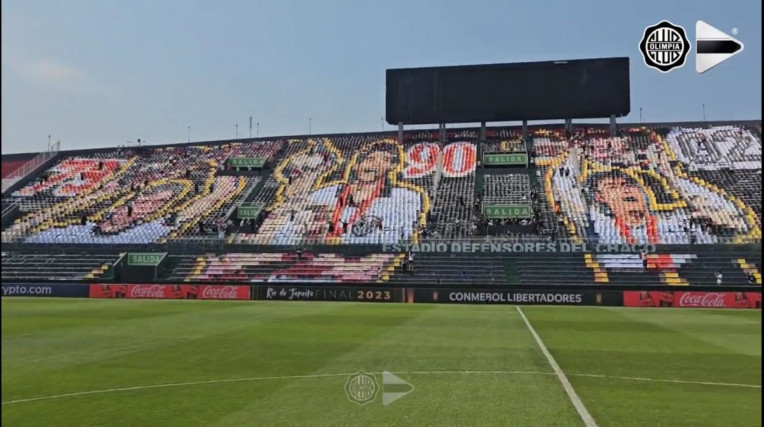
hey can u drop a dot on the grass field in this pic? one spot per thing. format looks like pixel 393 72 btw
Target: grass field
pixel 219 363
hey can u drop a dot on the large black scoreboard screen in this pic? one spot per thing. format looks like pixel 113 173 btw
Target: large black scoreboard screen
pixel 586 88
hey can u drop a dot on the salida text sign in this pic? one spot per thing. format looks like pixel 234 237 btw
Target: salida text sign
pixel 507 211
pixel 246 162
pixel 692 299
pixel 150 259
pixel 248 211
pixel 170 291
pixel 509 159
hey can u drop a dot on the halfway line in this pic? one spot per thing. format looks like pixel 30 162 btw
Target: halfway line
pixel 297 377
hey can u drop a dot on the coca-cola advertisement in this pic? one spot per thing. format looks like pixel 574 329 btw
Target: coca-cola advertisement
pixel 170 291
pixel 215 292
pixel 149 291
pixel 692 299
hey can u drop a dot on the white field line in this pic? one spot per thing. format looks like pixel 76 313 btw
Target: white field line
pixel 314 376
pixel 667 380
pixel 586 417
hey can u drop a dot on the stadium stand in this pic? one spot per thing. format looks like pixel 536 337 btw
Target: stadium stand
pixel 344 198
pixel 285 267
pixel 506 189
pixel 131 196
pixel 56 267
pixel 634 188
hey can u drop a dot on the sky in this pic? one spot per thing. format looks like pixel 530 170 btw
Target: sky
pixel 100 73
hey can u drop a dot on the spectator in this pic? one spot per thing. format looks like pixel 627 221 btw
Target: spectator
pixel 643 257
pixel 751 278
pixel 718 275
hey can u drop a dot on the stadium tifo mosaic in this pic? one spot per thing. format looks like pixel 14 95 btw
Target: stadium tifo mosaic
pixel 643 187
pixel 630 193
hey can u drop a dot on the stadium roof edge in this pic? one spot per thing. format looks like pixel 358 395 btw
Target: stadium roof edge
pixel 393 133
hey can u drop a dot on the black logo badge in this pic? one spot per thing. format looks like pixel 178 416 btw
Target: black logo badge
pixel 366 225
pixel 664 46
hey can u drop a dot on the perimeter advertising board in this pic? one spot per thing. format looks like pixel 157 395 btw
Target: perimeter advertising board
pixel 329 293
pixel 69 290
pixel 514 297
pixel 692 299
pixel 156 291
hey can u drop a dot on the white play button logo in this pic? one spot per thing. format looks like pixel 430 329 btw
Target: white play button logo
pixel 395 387
pixel 712 47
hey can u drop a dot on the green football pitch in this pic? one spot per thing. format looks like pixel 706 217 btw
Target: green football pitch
pixel 220 363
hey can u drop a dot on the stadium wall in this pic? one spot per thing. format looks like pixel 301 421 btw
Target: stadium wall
pixel 654 296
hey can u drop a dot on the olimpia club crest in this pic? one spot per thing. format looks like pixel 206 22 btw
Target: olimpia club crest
pixel 366 225
pixel 664 46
